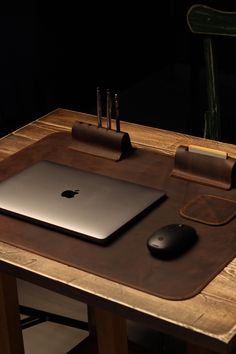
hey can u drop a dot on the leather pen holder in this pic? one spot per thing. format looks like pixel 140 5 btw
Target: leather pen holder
pixel 200 168
pixel 100 141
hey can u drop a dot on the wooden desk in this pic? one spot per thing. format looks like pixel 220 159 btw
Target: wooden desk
pixel 206 322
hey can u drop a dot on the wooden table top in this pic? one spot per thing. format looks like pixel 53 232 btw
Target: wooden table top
pixel 208 319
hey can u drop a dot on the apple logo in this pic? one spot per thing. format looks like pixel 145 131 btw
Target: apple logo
pixel 69 193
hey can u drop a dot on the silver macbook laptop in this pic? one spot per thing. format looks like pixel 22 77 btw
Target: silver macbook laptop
pixel 81 203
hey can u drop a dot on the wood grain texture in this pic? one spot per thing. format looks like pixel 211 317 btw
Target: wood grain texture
pixel 111 332
pixel 208 319
pixel 11 340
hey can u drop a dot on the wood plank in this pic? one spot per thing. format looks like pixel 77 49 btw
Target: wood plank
pixel 65 118
pixel 11 340
pixel 34 131
pixel 224 285
pixel 12 143
pixel 52 127
pixel 3 155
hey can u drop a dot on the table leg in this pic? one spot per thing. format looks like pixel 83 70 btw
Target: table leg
pixel 107 334
pixel 194 349
pixel 11 339
pixel 111 332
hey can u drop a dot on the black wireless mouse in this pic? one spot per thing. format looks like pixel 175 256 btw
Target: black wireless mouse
pixel 171 240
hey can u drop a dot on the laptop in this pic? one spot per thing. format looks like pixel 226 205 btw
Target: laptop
pixel 76 202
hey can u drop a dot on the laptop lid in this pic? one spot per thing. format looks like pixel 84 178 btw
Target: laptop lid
pixel 81 203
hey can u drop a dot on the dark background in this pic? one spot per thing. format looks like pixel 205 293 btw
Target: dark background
pixel 56 55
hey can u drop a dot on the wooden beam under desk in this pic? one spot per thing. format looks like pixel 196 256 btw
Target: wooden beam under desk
pixel 11 340
pixel 193 349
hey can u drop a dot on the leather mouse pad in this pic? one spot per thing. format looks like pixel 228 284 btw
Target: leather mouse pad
pixel 127 259
pixel 209 209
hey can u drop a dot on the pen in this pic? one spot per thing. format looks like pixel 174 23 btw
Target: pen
pixel 117 113
pixel 99 108
pixel 108 109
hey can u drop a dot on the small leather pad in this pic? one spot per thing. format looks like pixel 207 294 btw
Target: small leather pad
pixel 210 210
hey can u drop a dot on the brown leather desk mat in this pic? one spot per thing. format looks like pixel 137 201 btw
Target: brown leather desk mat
pixel 127 260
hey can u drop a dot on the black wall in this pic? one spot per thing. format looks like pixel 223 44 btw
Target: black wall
pixel 56 55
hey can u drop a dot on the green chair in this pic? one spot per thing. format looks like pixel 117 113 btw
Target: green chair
pixel 210 22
